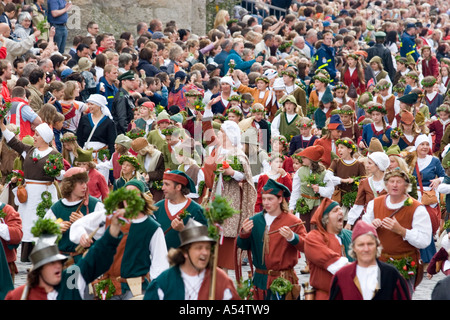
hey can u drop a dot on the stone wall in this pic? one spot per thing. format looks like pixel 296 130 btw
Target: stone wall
pixel 116 16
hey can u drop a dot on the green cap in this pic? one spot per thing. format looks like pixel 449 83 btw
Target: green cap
pixel 136 183
pixel 275 188
pixel 129 75
pixel 84 155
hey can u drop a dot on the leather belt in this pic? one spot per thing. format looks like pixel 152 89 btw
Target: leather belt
pixel 309 197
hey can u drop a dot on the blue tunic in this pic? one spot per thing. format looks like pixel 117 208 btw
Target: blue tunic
pixel 369 132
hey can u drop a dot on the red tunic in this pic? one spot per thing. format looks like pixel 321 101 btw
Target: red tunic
pixel 97 186
pixel 36 293
pixel 14 223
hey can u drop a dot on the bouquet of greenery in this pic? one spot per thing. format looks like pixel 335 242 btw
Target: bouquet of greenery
pixel 54 165
pixel 301 207
pixel 199 105
pixel 134 202
pixel 216 213
pixel 232 162
pixel 314 179
pixel 4 109
pixel 245 289
pixel 46 227
pixel 16 174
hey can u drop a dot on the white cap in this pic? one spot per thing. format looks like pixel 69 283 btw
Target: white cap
pixel 422 138
pixel 279 84
pixel 380 159
pixel 227 79
pixel 45 132
pixel 270 73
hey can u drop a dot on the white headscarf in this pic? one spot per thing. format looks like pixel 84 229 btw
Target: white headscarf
pixel 100 101
pixel 233 132
pixel 45 132
pixel 422 138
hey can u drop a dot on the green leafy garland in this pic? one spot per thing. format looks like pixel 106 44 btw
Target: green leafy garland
pixel 135 203
pixel 105 286
pixel 201 186
pixel 45 204
pixel 281 286
pixel 134 135
pixel 301 207
pixel 2 214
pixel 46 226
pixel 54 165
pixel 199 105
pixel 406 266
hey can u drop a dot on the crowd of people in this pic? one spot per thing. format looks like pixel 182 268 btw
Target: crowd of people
pixel 323 124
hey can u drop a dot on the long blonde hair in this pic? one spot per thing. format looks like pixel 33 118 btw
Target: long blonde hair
pixel 220 18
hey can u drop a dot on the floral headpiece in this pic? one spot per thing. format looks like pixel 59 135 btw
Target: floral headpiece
pixel 285 45
pixel 376 107
pixel 398 88
pixel 234 97
pixel 383 86
pixel 322 75
pixel 291 74
pixel 274 155
pixel 131 159
pixel 428 81
pixel 257 107
pixel 262 78
pixel 282 140
pixel 340 85
pixel 349 144
pixel 304 124
pixel 69 139
pixel 235 111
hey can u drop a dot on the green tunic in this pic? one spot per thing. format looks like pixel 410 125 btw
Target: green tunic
pixel 136 257
pixel 96 262
pixel 155 138
pixel 163 216
pixel 304 173
pixel 60 210
pixel 288 129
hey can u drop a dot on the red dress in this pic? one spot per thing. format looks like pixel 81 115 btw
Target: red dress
pixel 354 79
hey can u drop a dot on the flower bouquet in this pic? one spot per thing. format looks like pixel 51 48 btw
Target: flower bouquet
pixel 396 133
pixel 54 165
pixel 406 266
pixel 232 162
pixel 16 174
pixel 199 105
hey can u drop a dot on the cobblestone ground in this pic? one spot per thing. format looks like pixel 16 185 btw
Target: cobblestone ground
pixel 423 291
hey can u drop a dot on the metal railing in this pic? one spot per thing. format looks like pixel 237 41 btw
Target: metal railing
pixel 262 9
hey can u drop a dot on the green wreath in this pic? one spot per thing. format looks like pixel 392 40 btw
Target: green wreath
pixel 54 165
pixel 107 285
pixel 45 204
pixel 131 159
pixel 281 286
pixel 104 154
pixel 135 203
